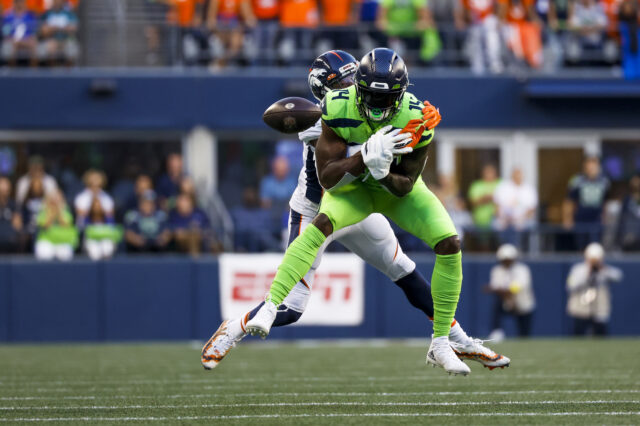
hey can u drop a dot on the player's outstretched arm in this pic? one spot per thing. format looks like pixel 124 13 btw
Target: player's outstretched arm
pixel 403 176
pixel 332 161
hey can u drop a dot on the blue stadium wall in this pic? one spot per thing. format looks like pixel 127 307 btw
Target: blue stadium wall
pixel 175 99
pixel 177 298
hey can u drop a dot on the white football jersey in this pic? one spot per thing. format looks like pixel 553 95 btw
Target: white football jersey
pixel 307 195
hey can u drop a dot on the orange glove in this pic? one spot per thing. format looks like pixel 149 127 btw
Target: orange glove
pixel 431 115
pixel 430 119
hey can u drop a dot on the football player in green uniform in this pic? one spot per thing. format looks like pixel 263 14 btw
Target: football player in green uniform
pixel 369 158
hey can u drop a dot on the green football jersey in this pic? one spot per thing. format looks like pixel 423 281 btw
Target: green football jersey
pixel 340 112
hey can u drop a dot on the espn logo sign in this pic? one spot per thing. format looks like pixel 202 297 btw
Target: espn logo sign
pixel 251 286
pixel 337 296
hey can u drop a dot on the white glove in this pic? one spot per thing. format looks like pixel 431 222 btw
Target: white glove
pixel 378 151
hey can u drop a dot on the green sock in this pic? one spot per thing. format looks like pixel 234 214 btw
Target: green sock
pixel 296 263
pixel 446 283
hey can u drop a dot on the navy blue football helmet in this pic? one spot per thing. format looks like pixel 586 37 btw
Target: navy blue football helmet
pixel 331 70
pixel 381 80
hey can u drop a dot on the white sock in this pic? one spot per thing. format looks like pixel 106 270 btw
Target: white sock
pixel 442 340
pixel 457 335
pixel 235 328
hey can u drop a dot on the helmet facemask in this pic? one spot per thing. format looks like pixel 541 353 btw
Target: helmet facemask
pixel 378 104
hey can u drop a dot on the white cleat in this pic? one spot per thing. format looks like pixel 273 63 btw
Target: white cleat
pixel 260 324
pixel 217 347
pixel 440 354
pixel 476 351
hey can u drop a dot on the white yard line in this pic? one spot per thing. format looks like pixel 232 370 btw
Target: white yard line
pixel 318 404
pixel 314 394
pixel 21 383
pixel 290 416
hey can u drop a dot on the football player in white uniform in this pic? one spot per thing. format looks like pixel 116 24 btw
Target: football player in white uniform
pixel 371 239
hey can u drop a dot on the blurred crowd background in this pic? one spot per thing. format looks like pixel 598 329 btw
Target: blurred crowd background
pixel 487 36
pixel 107 199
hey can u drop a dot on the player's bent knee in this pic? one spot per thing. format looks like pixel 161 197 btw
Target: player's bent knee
pixel 323 223
pixel 450 245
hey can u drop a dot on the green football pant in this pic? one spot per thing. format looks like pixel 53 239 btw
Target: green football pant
pixel 419 212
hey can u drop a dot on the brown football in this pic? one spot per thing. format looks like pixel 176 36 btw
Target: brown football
pixel 291 115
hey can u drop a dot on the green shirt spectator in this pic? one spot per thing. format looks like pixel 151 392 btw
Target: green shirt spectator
pixel 57 236
pixel 481 197
pixel 404 18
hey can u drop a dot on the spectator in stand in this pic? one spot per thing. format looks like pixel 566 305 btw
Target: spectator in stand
pixel 630 39
pixel 143 184
pixel 338 18
pixel 253 227
pixel 628 232
pixel 370 36
pixel 95 216
pixel 481 193
pixel 32 205
pixel 611 48
pixel 189 225
pixel 94 181
pixel 188 186
pixel 58 31
pixel 267 13
pixel 279 185
pixel 553 14
pixel 587 27
pixel 612 10
pixel 10 220
pixel 57 237
pixel 516 203
pixel 298 20
pixel 187 19
pixel 511 283
pixel 168 185
pixel 410 28
pixel 146 228
pixel 154 11
pixel 19 30
pixel 227 20
pixel 35 171
pixel 522 30
pixel 31 191
pixel 589 301
pixel 484 46
pixel 582 209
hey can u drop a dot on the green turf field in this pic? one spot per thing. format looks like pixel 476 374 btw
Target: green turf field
pixel 549 381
